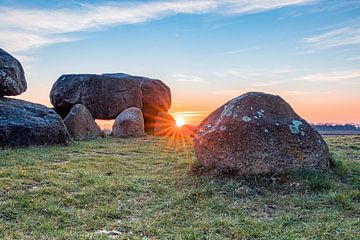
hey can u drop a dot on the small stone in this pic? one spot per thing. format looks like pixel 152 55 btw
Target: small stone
pixel 108 232
pixel 80 123
pixel 129 123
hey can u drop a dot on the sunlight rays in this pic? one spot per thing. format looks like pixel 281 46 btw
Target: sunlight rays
pixel 180 121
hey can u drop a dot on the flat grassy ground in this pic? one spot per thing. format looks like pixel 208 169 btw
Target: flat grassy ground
pixel 143 189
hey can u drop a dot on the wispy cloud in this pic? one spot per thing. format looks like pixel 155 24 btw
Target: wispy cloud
pixel 228 92
pixel 20 41
pixel 256 73
pixel 265 84
pixel 302 93
pixel 238 92
pixel 239 51
pixel 191 113
pixel 189 78
pixel 344 36
pixel 94 16
pixel 41 27
pixel 252 6
pixel 332 77
pixel 353 59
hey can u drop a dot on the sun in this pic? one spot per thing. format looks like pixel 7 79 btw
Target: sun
pixel 180 121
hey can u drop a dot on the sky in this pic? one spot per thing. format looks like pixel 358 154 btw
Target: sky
pixel 208 52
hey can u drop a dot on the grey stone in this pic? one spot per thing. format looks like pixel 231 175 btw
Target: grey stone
pixel 104 96
pixel 12 77
pixel 28 124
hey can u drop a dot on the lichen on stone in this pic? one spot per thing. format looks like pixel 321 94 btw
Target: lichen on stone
pixel 228 111
pixel 259 114
pixel 246 119
pixel 222 128
pixel 295 127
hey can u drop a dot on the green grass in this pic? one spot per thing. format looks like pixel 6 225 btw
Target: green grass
pixel 146 190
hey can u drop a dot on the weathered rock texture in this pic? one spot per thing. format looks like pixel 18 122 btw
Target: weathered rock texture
pixel 129 123
pixel 80 123
pixel 165 124
pixel 156 97
pixel 104 96
pixel 12 77
pixel 27 124
pixel 258 133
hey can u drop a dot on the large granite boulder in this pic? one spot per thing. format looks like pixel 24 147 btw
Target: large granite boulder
pixel 258 133
pixel 165 125
pixel 104 96
pixel 129 123
pixel 28 124
pixel 80 124
pixel 156 97
pixel 12 77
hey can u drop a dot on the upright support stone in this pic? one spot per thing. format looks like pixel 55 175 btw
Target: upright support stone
pixel 129 123
pixel 80 123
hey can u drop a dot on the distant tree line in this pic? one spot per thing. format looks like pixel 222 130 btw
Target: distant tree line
pixel 337 127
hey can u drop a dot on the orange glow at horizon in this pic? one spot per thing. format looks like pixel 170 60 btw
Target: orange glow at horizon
pixel 337 108
pixel 180 121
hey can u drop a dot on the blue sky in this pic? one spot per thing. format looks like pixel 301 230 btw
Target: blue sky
pixel 208 51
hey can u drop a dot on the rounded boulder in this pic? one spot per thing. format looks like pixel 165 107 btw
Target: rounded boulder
pixel 25 124
pixel 12 77
pixel 258 133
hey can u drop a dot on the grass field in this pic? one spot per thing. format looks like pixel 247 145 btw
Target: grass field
pixel 144 189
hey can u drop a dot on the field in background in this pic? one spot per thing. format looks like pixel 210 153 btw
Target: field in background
pixel 144 189
pixel 339 133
